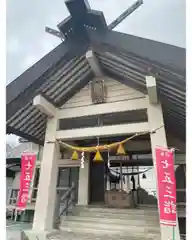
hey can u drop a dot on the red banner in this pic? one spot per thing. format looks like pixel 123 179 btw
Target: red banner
pixel 27 168
pixel 166 186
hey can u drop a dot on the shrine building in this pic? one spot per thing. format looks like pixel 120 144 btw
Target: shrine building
pixel 100 87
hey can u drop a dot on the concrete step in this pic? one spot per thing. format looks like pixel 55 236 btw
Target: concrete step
pixel 135 211
pixel 112 220
pixel 106 234
pixel 110 223
pixel 117 227
pixel 64 235
pixel 126 216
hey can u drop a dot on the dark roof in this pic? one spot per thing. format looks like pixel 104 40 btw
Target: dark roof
pixel 65 70
pixel 169 56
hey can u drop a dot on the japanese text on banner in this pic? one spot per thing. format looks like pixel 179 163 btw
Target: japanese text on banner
pixel 27 168
pixel 166 186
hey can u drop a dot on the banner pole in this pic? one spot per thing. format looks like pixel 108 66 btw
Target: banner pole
pixel 173 232
pixel 33 178
pixel 173 149
pixel 15 215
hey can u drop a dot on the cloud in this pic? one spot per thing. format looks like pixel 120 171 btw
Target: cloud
pixel 13 45
pixel 163 21
pixel 26 21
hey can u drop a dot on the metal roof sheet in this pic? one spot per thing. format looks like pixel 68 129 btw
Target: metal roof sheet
pixel 126 58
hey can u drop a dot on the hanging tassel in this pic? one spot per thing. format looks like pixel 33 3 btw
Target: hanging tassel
pixel 82 159
pixel 121 150
pixel 108 160
pixel 98 156
pixel 75 156
pixel 144 176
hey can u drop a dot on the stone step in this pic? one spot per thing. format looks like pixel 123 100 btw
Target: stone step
pixel 104 223
pixel 126 216
pixel 105 208
pixel 117 210
pixel 106 234
pixel 112 220
pixel 115 227
pixel 64 235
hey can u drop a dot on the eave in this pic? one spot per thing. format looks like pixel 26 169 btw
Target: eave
pixel 126 58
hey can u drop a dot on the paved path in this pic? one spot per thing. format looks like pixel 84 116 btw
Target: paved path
pixel 14 229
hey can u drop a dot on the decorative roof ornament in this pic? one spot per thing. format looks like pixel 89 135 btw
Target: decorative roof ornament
pixel 98 91
pixel 79 10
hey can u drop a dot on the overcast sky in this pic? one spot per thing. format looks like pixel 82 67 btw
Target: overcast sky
pixel 27 42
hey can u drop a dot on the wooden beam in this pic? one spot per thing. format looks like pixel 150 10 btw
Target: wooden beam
pixel 67 162
pixel 44 106
pixel 152 89
pixel 104 108
pixel 94 63
pixel 91 132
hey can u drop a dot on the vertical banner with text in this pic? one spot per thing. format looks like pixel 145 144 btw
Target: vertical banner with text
pixel 27 167
pixel 166 186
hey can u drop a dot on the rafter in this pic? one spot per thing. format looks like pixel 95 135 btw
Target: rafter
pixel 172 57
pixel 32 79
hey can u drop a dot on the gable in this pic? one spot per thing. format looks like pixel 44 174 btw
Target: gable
pixel 69 71
pixel 115 91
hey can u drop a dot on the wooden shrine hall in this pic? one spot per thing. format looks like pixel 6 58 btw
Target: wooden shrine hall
pixel 98 87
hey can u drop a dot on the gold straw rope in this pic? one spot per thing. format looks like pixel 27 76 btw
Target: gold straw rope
pixel 104 147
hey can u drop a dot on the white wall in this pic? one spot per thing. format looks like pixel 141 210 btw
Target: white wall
pixel 116 91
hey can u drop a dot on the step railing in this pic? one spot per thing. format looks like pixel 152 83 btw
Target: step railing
pixel 69 199
pixel 64 203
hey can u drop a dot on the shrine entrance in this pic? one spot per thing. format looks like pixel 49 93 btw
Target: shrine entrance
pixel 122 181
pixel 129 181
pixel 96 182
